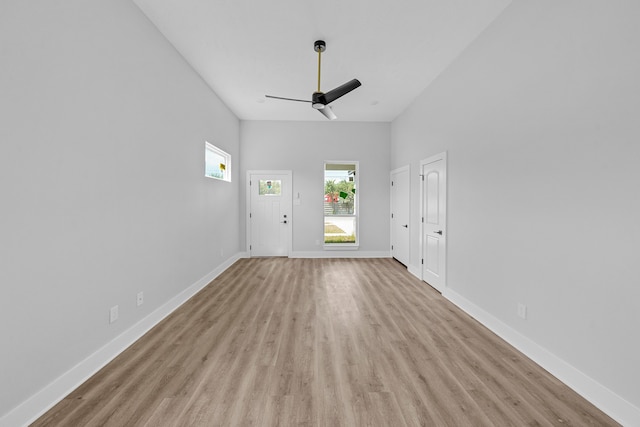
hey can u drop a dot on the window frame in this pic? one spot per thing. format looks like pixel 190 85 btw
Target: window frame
pixel 356 208
pixel 226 174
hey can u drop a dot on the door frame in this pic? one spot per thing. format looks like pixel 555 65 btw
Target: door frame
pixel 289 237
pixel 406 168
pixel 441 156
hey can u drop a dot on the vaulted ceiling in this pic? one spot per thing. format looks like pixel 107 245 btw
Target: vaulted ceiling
pixel 245 49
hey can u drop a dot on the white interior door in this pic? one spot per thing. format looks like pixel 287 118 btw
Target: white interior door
pixel 434 216
pixel 269 222
pixel 400 205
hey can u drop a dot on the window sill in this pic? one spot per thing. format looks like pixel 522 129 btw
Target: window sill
pixel 217 179
pixel 341 247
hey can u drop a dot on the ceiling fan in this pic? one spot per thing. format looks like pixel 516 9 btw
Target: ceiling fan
pixel 320 100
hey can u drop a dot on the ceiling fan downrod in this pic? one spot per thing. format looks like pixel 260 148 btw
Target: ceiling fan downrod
pixel 319 46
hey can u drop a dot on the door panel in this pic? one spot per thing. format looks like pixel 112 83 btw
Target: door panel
pixel 400 206
pixel 432 258
pixel 269 213
pixel 433 205
pixel 434 233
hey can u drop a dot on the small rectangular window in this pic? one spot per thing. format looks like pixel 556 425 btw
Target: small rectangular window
pixel 270 187
pixel 340 204
pixel 217 163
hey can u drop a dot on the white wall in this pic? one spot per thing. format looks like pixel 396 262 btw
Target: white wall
pixel 102 191
pixel 539 117
pixel 303 147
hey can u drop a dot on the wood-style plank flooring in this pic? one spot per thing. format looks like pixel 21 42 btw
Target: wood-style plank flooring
pixel 321 342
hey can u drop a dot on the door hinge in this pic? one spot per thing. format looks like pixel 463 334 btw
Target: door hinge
pixel 422 220
pixel 249 214
pixel 422 261
pixel 391 247
pixel 249 247
pixel 391 215
pixel 392 183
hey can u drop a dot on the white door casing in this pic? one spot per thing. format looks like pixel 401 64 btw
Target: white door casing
pixel 433 173
pixel 400 207
pixel 269 215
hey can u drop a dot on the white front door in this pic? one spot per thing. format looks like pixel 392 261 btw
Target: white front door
pixel 269 208
pixel 400 205
pixel 434 218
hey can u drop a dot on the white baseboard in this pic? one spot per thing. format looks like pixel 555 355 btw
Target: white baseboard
pixel 415 271
pixel 35 406
pixel 340 254
pixel 607 401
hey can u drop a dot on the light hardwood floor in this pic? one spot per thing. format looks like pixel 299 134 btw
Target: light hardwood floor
pixel 321 342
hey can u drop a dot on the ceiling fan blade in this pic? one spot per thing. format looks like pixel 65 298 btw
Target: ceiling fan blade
pixel 287 99
pixel 328 113
pixel 336 93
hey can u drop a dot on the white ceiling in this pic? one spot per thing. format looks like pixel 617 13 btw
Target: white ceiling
pixel 245 49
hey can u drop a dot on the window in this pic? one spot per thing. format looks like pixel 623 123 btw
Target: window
pixel 217 163
pixel 270 187
pixel 340 204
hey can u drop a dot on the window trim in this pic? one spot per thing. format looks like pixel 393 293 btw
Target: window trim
pixel 227 158
pixel 356 214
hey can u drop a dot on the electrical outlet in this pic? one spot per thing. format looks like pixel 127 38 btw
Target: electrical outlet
pixel 113 314
pixel 139 299
pixel 522 311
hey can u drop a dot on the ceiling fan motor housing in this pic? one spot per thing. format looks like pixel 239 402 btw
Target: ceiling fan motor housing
pixel 318 100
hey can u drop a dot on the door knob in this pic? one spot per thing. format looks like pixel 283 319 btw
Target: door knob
pixel 438 232
pixel 283 222
pixel 406 226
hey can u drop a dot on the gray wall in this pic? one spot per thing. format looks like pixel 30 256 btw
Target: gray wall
pixel 101 182
pixel 303 147
pixel 539 117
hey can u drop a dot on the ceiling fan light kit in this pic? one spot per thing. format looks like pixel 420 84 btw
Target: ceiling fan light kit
pixel 320 100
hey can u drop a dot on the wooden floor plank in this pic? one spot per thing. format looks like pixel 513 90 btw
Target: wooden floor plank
pixel 321 342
